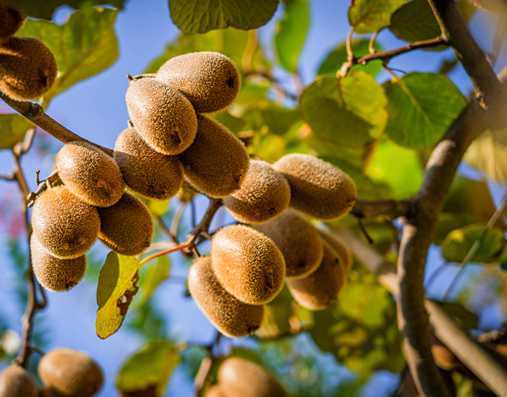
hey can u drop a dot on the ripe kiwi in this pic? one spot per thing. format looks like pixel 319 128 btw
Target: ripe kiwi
pixel 27 68
pixel 298 240
pixel 11 20
pixel 63 224
pixel 217 161
pixel 163 117
pixel 18 382
pixel 54 273
pixel 317 188
pixel 144 170
pixel 343 252
pixel 70 373
pixel 90 174
pixel 247 264
pixel 230 316
pixel 208 79
pixel 215 391
pixel 318 290
pixel 263 195
pixel 240 377
pixel 126 227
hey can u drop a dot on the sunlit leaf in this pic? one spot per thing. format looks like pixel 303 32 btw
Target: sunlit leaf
pixel 291 32
pixel 46 8
pixel 148 369
pixel 12 129
pixel 158 207
pixel 368 16
pixel 116 288
pixel 83 47
pixel 421 107
pixel 155 274
pixel 197 16
pixel 488 154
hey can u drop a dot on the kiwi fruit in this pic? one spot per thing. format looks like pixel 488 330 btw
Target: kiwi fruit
pixel 126 227
pixel 215 391
pixel 230 316
pixel 217 161
pixel 240 377
pixel 263 195
pixel 70 373
pixel 318 290
pixel 247 264
pixel 90 174
pixel 318 188
pixel 11 20
pixel 145 171
pixel 54 273
pixel 162 116
pixel 17 382
pixel 343 252
pixel 27 68
pixel 297 239
pixel 208 79
pixel 63 224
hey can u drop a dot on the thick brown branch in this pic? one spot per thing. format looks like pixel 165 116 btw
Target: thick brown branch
pixel 35 113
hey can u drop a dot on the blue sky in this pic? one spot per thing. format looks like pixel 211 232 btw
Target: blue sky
pixel 96 110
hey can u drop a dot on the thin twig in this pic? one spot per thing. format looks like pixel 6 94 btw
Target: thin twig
pixel 371 208
pixel 202 377
pixel 167 230
pixel 277 84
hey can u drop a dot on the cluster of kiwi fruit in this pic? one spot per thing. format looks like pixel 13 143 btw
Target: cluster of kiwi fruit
pixel 27 66
pixel 240 377
pixel 63 372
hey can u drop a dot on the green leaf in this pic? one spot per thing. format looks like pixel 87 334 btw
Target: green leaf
pixel 368 16
pixel 414 21
pixel 197 16
pixel 158 207
pixel 484 244
pixel 148 369
pixel 12 129
pixel 488 153
pixel 403 176
pixel 45 9
pixel 347 112
pixel 338 56
pixel 463 316
pixel 116 288
pixel 84 46
pixel 154 275
pixel 230 42
pixel 291 32
pixel 421 107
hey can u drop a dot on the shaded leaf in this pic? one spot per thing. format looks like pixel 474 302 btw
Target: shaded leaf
pixel 45 9
pixel 464 317
pixel 484 242
pixel 197 16
pixel 338 56
pixel 291 32
pixel 116 288
pixel 414 21
pixel 12 129
pixel 488 153
pixel 150 368
pixel 368 16
pixel 154 275
pixel 83 47
pixel 421 107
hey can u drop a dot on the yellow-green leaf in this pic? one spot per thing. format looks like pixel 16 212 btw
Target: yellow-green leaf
pixel 116 288
pixel 154 275
pixel 368 16
pixel 488 154
pixel 12 129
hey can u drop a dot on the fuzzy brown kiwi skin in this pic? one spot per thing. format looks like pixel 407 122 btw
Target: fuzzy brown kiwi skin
pixel 18 382
pixel 11 20
pixel 247 264
pixel 230 316
pixel 240 377
pixel 63 224
pixel 70 373
pixel 321 288
pixel 54 273
pixel 90 174
pixel 126 227
pixel 208 79
pixel 297 239
pixel 162 116
pixel 340 248
pixel 264 194
pixel 217 161
pixel 27 68
pixel 145 171
pixel 318 188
